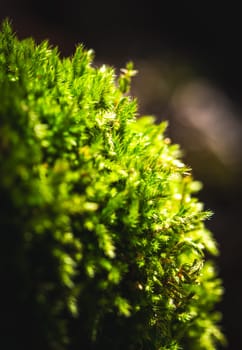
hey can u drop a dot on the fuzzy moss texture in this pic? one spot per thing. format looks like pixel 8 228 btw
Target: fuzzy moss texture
pixel 103 243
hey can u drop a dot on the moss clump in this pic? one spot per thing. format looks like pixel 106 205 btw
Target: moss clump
pixel 103 241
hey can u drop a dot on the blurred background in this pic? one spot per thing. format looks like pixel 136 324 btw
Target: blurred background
pixel 189 56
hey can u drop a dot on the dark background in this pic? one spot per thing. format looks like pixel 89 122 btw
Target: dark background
pixel 189 59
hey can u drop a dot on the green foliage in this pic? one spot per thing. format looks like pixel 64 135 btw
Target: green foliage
pixel 103 243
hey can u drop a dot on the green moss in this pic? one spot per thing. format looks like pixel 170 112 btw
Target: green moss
pixel 103 243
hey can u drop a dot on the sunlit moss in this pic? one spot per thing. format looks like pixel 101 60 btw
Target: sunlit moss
pixel 99 215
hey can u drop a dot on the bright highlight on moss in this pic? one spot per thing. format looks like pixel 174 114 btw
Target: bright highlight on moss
pixel 103 243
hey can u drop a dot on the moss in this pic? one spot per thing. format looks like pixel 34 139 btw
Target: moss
pixel 103 243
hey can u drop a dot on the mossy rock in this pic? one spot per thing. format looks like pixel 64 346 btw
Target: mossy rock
pixel 103 243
